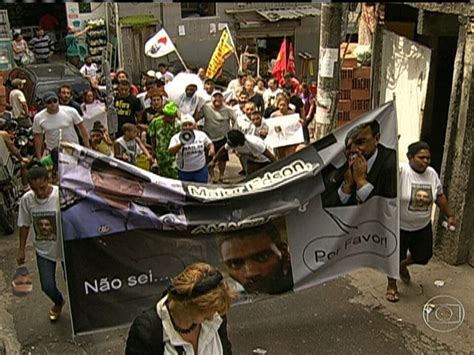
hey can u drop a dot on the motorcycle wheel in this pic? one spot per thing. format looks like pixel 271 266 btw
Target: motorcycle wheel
pixel 7 219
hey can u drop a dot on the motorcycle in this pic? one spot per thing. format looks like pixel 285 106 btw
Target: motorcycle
pixel 24 141
pixel 11 187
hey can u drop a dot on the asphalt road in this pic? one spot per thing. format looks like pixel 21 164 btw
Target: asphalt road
pixel 320 320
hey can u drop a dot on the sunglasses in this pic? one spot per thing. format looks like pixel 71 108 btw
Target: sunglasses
pixel 52 101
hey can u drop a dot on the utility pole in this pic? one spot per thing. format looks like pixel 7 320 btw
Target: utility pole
pixel 329 67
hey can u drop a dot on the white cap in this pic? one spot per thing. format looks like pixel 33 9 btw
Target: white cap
pixel 187 118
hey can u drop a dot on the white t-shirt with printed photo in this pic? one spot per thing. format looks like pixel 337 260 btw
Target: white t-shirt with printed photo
pixel 42 216
pixel 418 192
pixel 192 156
pixel 50 124
pixel 253 146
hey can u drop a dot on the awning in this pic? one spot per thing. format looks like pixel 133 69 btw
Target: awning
pixel 274 15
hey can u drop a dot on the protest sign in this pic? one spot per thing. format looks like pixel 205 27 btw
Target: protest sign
pixel 127 232
pixel 284 131
pixel 223 50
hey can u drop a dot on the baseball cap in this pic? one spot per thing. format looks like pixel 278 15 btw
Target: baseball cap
pixel 18 82
pixel 48 95
pixel 241 73
pixel 217 92
pixel 187 118
pixel 170 109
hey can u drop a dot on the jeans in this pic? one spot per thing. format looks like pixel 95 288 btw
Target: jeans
pixel 47 274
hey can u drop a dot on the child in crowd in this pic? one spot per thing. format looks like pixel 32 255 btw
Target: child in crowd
pixel 130 148
pixel 259 125
pixel 100 139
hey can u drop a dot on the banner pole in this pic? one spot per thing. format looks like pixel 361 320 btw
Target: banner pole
pixel 181 58
pixel 233 45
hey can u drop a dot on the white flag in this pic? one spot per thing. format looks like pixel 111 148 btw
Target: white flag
pixel 159 45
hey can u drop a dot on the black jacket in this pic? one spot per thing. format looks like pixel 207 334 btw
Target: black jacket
pixel 383 176
pixel 146 336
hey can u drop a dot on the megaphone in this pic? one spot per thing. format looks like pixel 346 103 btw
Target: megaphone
pixel 186 137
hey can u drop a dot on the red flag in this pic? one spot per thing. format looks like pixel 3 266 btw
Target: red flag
pixel 279 67
pixel 291 67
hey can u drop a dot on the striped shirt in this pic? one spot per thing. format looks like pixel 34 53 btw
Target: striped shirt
pixel 41 47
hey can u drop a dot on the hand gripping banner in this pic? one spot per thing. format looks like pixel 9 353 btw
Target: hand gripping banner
pixel 330 208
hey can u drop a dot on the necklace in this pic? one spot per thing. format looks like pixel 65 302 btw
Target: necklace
pixel 183 330
pixel 179 329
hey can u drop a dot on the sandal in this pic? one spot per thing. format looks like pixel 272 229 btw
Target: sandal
pixel 55 311
pixel 392 295
pixel 405 275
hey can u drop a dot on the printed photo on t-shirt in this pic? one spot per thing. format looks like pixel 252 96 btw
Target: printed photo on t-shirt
pixel 421 197
pixel 45 226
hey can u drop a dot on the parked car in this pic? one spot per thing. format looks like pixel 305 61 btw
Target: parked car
pixel 46 77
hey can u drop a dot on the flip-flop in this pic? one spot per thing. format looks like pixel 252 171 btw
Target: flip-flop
pixel 405 276
pixel 392 295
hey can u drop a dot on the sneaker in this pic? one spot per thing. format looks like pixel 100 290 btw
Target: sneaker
pixel 55 311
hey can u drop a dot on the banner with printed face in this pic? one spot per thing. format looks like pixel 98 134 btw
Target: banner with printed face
pixel 328 209
pixel 284 131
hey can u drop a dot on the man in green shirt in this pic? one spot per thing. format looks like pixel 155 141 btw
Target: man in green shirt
pixel 160 130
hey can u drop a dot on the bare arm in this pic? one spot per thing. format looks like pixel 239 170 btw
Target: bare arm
pixel 143 148
pixel 211 150
pixel 11 147
pixel 20 257
pixel 38 141
pixel 175 149
pixel 443 204
pixel 269 155
pixel 84 134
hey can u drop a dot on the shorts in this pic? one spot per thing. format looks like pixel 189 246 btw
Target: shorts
pixel 200 175
pixel 217 146
pixel 420 244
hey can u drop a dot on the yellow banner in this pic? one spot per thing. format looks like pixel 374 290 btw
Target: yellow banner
pixel 223 49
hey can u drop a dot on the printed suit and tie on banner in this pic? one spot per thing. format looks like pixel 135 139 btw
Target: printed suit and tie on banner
pixel 330 208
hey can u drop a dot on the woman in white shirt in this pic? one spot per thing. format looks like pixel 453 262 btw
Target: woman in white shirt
pixel 419 188
pixel 189 319
pixel 93 110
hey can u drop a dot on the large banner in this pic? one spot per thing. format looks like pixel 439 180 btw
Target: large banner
pixel 326 210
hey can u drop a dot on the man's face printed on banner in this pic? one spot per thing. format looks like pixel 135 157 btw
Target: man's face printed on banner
pixel 115 183
pixel 256 263
pixel 363 142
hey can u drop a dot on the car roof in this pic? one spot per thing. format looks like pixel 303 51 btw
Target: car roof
pixel 52 71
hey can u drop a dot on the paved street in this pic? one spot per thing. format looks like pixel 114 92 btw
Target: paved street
pixel 348 315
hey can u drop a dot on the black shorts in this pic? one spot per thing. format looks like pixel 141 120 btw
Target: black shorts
pixel 420 244
pixel 217 146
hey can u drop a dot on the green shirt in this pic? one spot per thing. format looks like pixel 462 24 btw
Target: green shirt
pixel 72 45
pixel 160 133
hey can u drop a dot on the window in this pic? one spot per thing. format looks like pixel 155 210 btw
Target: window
pixel 85 7
pixel 194 9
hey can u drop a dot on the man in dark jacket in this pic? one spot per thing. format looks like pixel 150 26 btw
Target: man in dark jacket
pixel 370 169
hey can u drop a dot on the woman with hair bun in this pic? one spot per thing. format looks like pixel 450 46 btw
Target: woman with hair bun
pixel 189 319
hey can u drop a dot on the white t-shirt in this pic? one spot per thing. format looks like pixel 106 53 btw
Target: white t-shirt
pixel 16 99
pixel 254 146
pixel 95 111
pixel 90 71
pixel 191 157
pixel 145 101
pixel 50 124
pixel 417 194
pixel 269 96
pixel 43 217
